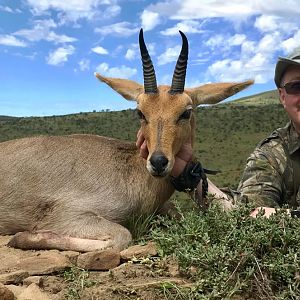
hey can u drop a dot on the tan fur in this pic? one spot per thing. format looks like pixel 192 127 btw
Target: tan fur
pixel 87 186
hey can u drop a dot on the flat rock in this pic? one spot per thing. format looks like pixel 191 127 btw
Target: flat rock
pixel 33 279
pixel 99 260
pixel 35 263
pixel 52 284
pixel 16 289
pixel 139 251
pixel 45 263
pixel 14 277
pixel 71 255
pixel 33 292
pixel 5 293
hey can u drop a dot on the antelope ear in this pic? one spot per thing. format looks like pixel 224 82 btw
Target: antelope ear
pixel 129 89
pixel 215 92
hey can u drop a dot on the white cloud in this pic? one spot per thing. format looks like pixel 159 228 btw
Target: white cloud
pixel 188 26
pixel 227 70
pixel 41 31
pixel 267 23
pixel 258 67
pixel 10 40
pixel 268 43
pixel 237 39
pixel 73 10
pixel 134 51
pixel 99 50
pixel 9 9
pixel 215 41
pixel 122 29
pixel 170 55
pixel 84 64
pixel 149 19
pixel 291 43
pixel 248 48
pixel 6 9
pixel 271 23
pixel 255 59
pixel 60 55
pixel 191 9
pixel 236 11
pixel 120 72
pixel 131 54
pixel 225 41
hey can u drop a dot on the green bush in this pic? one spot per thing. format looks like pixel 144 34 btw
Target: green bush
pixel 235 254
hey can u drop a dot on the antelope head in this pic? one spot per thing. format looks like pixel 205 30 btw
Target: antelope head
pixel 166 112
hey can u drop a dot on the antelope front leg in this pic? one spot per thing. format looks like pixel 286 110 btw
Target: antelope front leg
pixel 86 234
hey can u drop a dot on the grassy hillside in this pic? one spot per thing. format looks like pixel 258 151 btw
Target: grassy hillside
pixel 265 98
pixel 226 133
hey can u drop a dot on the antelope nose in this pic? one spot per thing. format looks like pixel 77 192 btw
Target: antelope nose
pixel 159 163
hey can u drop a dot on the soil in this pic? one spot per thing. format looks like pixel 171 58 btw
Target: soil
pixel 57 278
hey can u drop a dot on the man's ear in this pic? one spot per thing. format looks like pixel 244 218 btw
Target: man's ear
pixel 129 89
pixel 281 97
pixel 215 92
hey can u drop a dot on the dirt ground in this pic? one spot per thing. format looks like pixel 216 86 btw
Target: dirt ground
pixel 56 276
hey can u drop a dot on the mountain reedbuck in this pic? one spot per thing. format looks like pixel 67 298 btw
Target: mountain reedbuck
pixel 76 192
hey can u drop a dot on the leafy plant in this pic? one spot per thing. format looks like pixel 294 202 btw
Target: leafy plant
pixel 77 280
pixel 235 254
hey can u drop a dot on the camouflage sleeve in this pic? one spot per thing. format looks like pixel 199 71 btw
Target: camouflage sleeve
pixel 262 180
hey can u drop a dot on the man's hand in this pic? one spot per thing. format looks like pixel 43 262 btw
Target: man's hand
pixel 268 211
pixel 141 144
pixel 184 155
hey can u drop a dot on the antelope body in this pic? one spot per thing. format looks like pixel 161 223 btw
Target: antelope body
pixel 76 192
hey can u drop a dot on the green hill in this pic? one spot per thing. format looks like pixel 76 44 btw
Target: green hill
pixel 226 133
pixel 265 98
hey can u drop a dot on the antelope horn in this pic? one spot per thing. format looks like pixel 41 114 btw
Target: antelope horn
pixel 150 84
pixel 178 80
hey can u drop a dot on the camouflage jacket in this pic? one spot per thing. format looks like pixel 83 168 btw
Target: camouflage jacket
pixel 272 174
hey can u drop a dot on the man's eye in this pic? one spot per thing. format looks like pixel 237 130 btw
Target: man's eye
pixel 140 115
pixel 185 115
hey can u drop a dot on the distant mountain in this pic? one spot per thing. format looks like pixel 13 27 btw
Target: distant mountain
pixel 265 98
pixel 7 118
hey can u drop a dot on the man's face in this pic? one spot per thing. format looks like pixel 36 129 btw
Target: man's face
pixel 291 101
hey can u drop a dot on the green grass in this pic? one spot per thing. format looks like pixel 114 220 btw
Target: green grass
pixel 233 254
pixel 265 98
pixel 77 280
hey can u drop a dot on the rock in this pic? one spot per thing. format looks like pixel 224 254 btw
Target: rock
pixel 99 260
pixel 52 284
pixel 33 262
pixel 71 255
pixel 139 251
pixel 16 289
pixel 33 279
pixel 5 293
pixel 4 239
pixel 44 263
pixel 33 292
pixel 13 277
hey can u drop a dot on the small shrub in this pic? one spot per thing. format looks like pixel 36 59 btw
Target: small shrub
pixel 235 254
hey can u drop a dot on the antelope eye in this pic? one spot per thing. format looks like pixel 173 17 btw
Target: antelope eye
pixel 140 115
pixel 185 115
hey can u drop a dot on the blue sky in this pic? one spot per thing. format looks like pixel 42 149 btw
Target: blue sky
pixel 49 49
